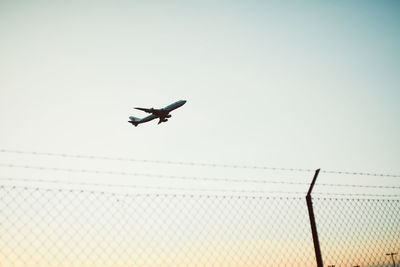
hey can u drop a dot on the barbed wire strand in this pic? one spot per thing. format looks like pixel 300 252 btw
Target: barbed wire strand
pixel 185 163
pixel 61 182
pixel 41 168
pixel 175 177
pixel 358 186
pixel 361 173
pixel 197 164
pixel 354 194
pixel 158 194
pixel 348 196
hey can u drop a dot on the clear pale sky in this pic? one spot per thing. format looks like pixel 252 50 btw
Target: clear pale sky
pixel 296 84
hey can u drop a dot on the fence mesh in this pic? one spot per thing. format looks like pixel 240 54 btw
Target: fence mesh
pixel 358 231
pixel 47 227
pixel 69 227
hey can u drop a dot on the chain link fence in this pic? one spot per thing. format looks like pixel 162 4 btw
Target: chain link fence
pixel 71 227
pixel 358 232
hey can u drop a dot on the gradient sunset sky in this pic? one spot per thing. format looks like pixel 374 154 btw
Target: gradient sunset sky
pixel 283 83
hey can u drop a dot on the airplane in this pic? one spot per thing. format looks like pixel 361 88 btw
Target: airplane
pixel 162 114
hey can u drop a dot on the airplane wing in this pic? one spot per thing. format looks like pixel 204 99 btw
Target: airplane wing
pixel 148 110
pixel 162 113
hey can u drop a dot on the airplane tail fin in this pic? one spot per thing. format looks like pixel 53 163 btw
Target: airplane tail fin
pixel 135 121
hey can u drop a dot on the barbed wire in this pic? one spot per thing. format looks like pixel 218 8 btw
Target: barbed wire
pixel 358 186
pixel 357 195
pixel 197 164
pixel 243 195
pixel 169 162
pixel 175 177
pixel 238 193
pixel 195 178
pixel 185 163
pixel 362 173
pixel 61 182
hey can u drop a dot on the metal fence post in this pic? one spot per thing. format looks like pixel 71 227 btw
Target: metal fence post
pixel 312 222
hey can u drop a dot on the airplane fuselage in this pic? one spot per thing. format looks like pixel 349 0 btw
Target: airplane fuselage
pixel 162 114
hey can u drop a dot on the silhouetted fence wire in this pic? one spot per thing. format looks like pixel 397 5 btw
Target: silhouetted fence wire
pixel 50 226
pixel 141 174
pixel 176 177
pixel 191 163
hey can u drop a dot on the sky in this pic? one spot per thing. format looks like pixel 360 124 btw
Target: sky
pixel 311 84
pixel 295 84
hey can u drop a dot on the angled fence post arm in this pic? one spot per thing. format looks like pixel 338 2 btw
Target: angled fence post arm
pixel 312 221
